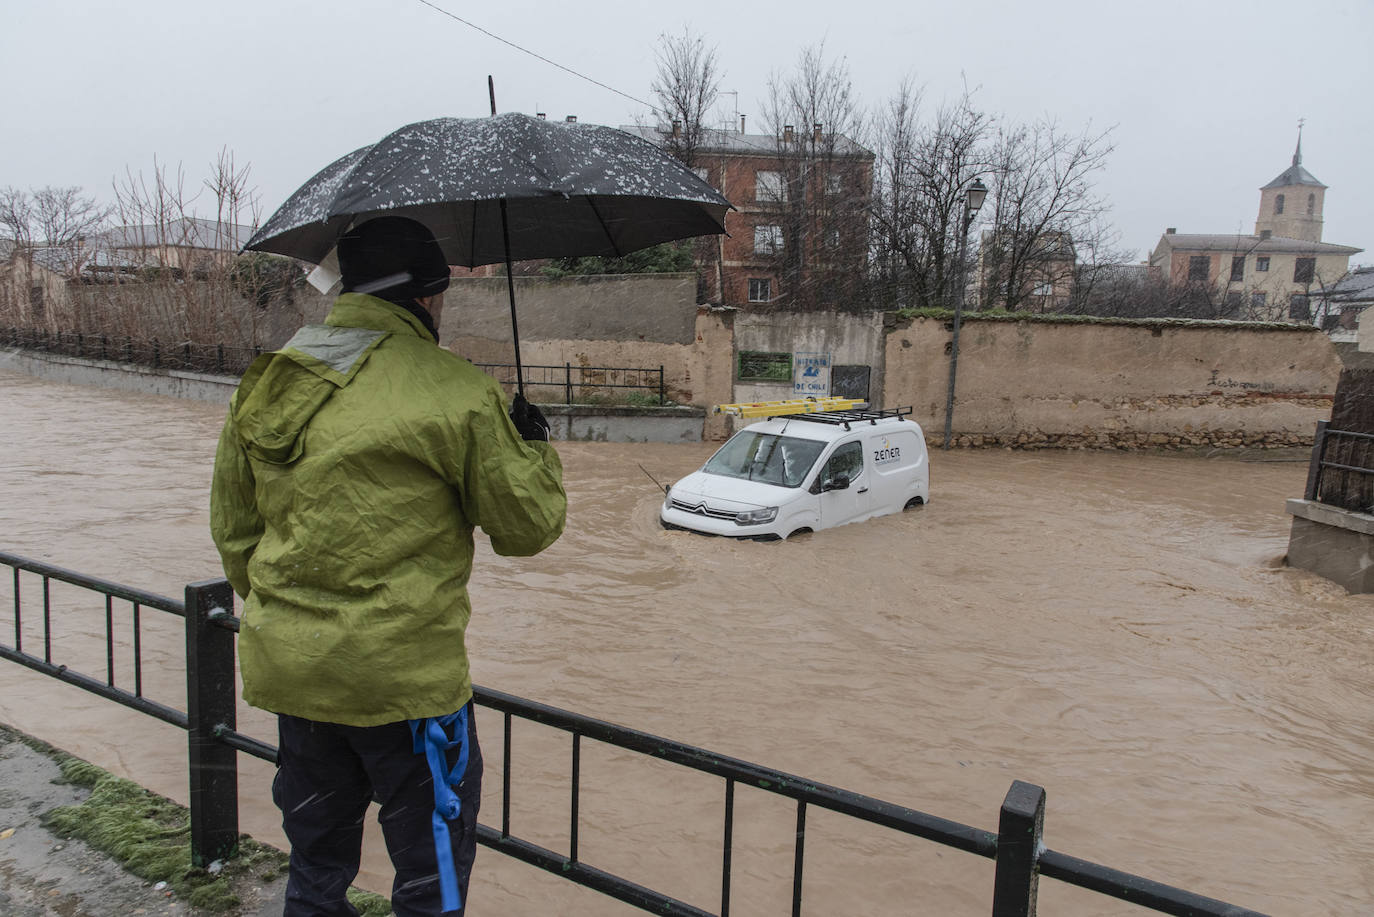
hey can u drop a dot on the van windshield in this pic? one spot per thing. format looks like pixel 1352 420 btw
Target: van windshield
pixel 765 457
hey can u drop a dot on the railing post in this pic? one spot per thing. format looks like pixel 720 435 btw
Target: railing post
pixel 662 394
pixel 1018 850
pixel 210 703
pixel 1314 469
pixel 567 384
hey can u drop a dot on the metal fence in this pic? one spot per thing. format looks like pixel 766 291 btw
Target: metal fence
pixel 549 384
pixel 1017 846
pixel 216 359
pixel 1341 472
pixel 582 384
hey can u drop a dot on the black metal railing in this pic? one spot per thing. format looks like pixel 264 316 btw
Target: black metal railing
pixel 1017 847
pixel 567 383
pixel 1341 471
pixel 215 359
pixel 581 384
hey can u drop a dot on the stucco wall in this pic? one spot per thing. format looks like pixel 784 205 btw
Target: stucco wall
pixel 1104 385
pixel 850 339
pixel 659 308
pixel 698 371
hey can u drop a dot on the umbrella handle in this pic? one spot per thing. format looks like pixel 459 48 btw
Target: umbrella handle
pixel 510 287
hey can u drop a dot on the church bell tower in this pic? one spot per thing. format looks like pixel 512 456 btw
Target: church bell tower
pixel 1291 205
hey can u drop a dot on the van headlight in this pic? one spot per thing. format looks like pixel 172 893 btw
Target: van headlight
pixel 757 516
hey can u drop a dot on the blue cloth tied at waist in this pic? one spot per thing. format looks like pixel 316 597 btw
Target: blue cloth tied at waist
pixel 431 738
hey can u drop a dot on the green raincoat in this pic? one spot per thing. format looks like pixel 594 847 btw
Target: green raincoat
pixel 350 474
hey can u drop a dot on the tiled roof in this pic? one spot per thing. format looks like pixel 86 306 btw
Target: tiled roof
pixel 1294 175
pixel 718 141
pixel 1356 286
pixel 1240 243
pixel 187 232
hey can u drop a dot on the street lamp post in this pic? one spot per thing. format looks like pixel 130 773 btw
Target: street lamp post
pixel 973 202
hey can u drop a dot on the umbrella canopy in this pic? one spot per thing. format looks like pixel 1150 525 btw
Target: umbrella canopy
pixel 566 189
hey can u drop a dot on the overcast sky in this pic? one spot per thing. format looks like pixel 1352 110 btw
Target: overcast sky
pixel 1204 96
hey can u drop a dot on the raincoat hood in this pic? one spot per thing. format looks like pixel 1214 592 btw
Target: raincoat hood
pixel 281 392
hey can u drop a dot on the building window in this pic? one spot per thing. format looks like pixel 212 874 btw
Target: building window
pixel 1303 269
pixel 1238 268
pixel 36 302
pixel 764 366
pixel 1299 308
pixel 769 186
pixel 760 289
pixel 1257 300
pixel 834 183
pixel 1262 263
pixel 1199 267
pixel 767 240
pixel 1311 204
pixel 1278 204
pixel 1233 299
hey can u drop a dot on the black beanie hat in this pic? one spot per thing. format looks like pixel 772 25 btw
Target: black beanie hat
pixel 392 258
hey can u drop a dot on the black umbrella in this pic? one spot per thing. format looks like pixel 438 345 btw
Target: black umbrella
pixel 502 189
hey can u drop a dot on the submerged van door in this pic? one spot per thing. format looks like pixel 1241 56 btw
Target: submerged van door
pixel 897 460
pixel 841 504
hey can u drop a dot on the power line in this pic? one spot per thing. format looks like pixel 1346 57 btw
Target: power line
pixel 552 63
pixel 649 105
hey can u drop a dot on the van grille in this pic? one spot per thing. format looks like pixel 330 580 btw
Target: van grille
pixel 700 509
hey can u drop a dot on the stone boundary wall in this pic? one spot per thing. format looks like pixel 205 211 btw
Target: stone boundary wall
pixel 653 308
pixel 120 377
pixel 1136 385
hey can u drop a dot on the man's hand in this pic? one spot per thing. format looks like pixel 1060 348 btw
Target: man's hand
pixel 528 419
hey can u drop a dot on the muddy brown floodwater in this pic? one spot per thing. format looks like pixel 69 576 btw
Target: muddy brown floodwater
pixel 1116 628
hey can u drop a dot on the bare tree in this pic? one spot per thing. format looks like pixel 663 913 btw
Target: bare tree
pixel 686 87
pixel 1043 201
pixel 66 219
pixel 52 227
pixel 823 184
pixel 924 171
pixel 17 222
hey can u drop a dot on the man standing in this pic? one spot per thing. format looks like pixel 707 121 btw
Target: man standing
pixel 351 472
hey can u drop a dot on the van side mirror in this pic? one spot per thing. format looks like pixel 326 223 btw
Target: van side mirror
pixel 838 482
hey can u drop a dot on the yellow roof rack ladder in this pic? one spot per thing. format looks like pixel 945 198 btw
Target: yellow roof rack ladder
pixel 795 406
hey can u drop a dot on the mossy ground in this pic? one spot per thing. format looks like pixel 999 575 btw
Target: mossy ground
pixel 149 836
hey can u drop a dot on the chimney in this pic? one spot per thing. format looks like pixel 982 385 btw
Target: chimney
pixel 787 133
pixel 677 129
pixel 1170 231
pixel 816 132
pixel 571 119
pixel 741 124
pixel 539 115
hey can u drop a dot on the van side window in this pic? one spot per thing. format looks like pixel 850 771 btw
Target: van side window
pixel 848 460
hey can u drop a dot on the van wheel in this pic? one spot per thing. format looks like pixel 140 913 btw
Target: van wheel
pixel 801 531
pixel 914 501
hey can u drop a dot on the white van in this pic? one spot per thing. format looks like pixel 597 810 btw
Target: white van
pixel 804 472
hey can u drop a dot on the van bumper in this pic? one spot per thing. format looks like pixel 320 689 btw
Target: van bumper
pixel 676 519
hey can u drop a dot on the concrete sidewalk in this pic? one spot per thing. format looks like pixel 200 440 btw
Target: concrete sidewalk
pixel 43 875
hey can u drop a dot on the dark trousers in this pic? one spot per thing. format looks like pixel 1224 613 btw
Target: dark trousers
pixel 328 774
